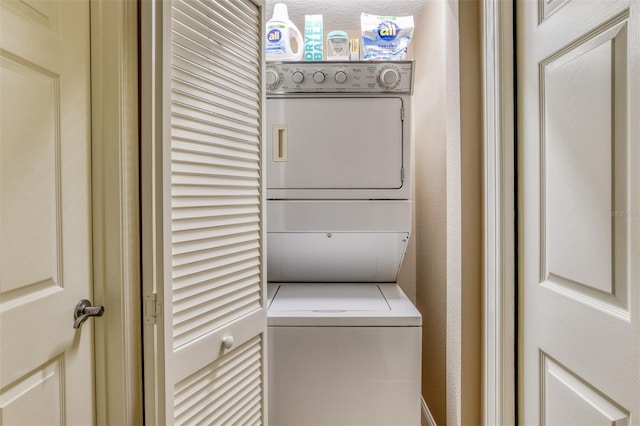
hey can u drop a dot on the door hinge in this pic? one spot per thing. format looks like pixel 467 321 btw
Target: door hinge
pixel 402 114
pixel 152 308
pixel 402 175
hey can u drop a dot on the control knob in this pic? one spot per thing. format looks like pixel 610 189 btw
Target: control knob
pixel 297 77
pixel 318 77
pixel 340 77
pixel 389 78
pixel 273 78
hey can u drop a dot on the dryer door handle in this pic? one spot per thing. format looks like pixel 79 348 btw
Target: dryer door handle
pixel 280 143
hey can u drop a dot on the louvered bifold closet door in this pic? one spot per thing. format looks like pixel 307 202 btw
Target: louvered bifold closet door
pixel 213 313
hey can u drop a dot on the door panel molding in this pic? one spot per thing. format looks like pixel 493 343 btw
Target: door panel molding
pixel 548 7
pixel 562 390
pixel 43 386
pixel 31 264
pixel 606 293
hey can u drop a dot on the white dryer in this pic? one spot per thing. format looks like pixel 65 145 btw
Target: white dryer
pixel 343 339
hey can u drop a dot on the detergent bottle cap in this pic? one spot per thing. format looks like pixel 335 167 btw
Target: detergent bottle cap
pixel 280 12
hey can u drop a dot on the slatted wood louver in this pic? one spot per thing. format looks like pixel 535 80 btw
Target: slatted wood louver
pixel 215 172
pixel 225 392
pixel 216 202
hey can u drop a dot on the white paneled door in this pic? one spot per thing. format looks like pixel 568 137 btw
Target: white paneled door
pixel 46 366
pixel 579 211
pixel 205 318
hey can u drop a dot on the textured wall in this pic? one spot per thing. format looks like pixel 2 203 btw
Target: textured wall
pixel 472 209
pixel 430 201
pixel 454 214
pixel 345 14
pixel 448 132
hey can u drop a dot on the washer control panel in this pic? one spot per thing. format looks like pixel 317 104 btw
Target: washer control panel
pixel 339 77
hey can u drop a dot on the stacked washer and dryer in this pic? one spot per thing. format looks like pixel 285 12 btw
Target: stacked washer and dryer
pixel 344 341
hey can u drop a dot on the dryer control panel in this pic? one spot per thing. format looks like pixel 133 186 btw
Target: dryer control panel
pixel 339 77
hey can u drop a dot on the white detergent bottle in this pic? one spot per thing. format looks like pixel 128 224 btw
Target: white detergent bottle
pixel 280 32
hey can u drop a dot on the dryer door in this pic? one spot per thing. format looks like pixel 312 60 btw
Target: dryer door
pixel 335 143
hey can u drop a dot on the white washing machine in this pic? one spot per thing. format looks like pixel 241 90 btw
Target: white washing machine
pixel 343 354
pixel 344 341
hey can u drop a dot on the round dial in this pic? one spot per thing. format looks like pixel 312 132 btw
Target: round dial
pixel 340 77
pixel 297 77
pixel 273 78
pixel 389 78
pixel 318 77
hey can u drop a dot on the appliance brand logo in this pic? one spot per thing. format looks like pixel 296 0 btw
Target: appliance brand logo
pixel 274 35
pixel 388 30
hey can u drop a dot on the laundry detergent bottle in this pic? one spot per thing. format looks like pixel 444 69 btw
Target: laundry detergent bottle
pixel 280 33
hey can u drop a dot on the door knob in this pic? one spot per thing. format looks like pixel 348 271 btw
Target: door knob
pixel 227 342
pixel 84 310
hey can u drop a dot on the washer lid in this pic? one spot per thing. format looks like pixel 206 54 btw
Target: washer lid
pixel 339 305
pixel 329 298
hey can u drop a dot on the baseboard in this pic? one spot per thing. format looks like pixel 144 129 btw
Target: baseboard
pixel 426 419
